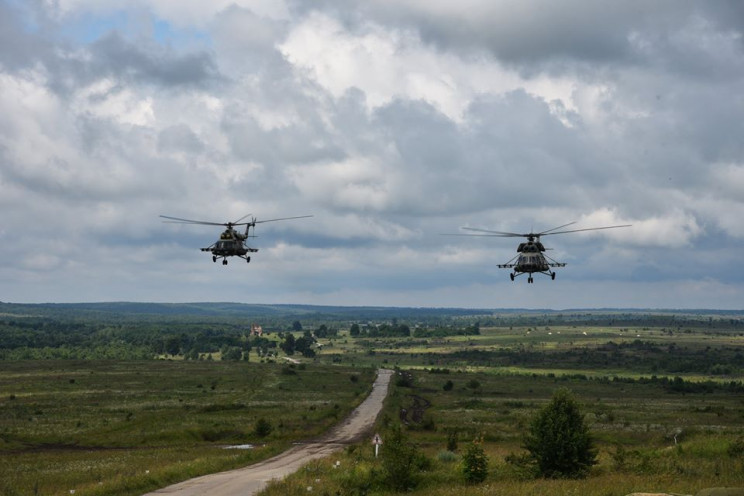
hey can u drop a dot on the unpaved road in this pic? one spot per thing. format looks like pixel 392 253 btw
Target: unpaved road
pixel 250 480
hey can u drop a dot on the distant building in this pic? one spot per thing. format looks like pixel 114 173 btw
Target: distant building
pixel 256 330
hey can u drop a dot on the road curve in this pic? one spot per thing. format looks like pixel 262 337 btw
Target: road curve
pixel 253 478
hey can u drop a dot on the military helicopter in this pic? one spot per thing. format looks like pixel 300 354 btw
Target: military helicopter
pixel 231 242
pixel 530 255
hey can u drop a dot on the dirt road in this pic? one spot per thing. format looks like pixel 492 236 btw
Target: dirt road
pixel 251 479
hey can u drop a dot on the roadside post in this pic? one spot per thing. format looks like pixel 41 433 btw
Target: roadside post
pixel 377 441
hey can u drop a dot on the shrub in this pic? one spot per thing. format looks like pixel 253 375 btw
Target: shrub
pixel 473 384
pixel 262 428
pixel 452 440
pixel 736 448
pixel 446 456
pixel 404 380
pixel 428 424
pixel 558 440
pixel 475 463
pixel 398 461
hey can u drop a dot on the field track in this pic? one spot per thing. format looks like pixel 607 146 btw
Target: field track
pixel 252 479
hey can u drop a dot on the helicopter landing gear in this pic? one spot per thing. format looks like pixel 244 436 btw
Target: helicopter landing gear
pixel 512 276
pixel 224 261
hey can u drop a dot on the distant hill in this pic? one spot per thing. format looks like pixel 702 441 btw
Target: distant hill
pixel 227 309
pixel 247 310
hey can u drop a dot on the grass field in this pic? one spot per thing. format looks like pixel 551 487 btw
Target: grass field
pixel 663 416
pixel 665 406
pixel 649 439
pixel 126 427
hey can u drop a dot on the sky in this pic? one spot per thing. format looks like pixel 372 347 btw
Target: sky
pixel 391 123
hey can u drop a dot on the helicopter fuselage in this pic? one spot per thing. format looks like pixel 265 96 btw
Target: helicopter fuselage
pixel 230 244
pixel 531 260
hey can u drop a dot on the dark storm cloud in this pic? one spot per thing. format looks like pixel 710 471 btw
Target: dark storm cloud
pixel 493 159
pixel 113 55
pixel 560 36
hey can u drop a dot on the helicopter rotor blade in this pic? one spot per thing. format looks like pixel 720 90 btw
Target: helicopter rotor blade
pixel 283 218
pixel 478 235
pixel 503 234
pixel 493 233
pixel 559 227
pixel 236 223
pixel 178 220
pixel 588 229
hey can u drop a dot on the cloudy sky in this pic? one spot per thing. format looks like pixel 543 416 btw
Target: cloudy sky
pixel 391 122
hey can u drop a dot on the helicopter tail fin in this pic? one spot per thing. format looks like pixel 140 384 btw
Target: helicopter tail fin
pixel 248 226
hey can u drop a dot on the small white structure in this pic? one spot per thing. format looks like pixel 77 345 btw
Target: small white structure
pixel 377 441
pixel 256 330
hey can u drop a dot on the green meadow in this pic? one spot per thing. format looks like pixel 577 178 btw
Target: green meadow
pixel 649 437
pixel 663 396
pixel 665 408
pixel 121 427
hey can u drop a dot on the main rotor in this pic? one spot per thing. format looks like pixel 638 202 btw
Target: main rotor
pixel 534 236
pixel 229 225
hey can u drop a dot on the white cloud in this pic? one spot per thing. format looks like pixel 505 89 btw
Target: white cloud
pixel 356 184
pixel 388 64
pixel 674 229
pixel 391 122
pixel 106 99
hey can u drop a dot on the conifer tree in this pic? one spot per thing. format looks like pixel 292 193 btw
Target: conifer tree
pixel 559 441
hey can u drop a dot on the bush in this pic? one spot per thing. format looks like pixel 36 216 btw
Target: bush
pixel 452 440
pixel 558 440
pixel 262 428
pixel 446 456
pixel 288 370
pixel 475 463
pixel 232 353
pixel 399 458
pixel 473 384
pixel 404 380
pixel 736 448
pixel 428 424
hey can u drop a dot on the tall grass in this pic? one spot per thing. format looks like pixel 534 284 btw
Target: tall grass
pixel 128 427
pixel 634 426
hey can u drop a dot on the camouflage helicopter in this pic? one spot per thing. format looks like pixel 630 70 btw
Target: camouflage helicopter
pixel 231 243
pixel 531 255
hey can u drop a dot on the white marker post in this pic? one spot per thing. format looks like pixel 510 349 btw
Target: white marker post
pixel 377 441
